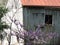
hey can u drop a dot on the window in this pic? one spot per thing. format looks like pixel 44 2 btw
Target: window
pixel 48 19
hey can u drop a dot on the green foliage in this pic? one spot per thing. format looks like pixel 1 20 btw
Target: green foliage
pixel 3 26
pixel 3 11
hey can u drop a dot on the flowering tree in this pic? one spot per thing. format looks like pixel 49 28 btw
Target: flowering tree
pixel 14 8
pixel 14 25
pixel 38 36
pixel 32 36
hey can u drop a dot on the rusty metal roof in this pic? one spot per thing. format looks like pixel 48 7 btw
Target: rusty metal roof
pixel 41 3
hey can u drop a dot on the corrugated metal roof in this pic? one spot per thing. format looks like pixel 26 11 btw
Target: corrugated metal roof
pixel 41 2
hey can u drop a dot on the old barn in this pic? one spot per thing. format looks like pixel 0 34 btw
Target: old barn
pixel 45 12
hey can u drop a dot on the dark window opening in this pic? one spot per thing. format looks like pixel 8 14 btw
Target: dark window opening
pixel 48 19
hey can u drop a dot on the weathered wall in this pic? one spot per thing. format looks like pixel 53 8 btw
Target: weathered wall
pixel 31 19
